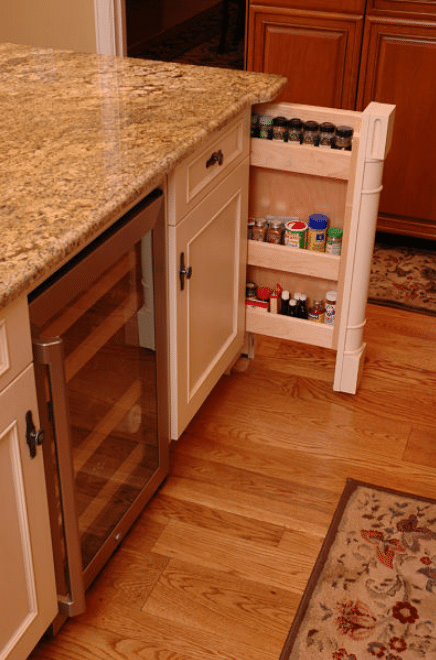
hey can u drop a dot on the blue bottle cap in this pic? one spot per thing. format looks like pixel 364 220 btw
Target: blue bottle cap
pixel 318 221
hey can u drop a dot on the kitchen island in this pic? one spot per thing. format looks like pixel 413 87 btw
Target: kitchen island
pixel 84 139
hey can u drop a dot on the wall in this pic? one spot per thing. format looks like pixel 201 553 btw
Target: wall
pixel 65 24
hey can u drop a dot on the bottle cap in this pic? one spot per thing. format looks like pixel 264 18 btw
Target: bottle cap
pixel 318 221
pixel 331 296
pixel 334 232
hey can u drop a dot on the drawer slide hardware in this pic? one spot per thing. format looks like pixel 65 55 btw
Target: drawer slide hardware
pixel 217 157
pixel 183 271
pixel 33 437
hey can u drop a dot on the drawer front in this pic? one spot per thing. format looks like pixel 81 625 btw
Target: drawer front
pixel 205 169
pixel 15 341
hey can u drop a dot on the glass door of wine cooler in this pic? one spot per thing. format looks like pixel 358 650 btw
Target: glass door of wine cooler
pixel 106 313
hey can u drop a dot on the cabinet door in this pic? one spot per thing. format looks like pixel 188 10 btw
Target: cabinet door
pixel 317 51
pixel 399 61
pixel 207 317
pixel 27 587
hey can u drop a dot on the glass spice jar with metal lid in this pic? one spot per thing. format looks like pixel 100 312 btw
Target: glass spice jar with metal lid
pixel 310 132
pixel 343 138
pixel 258 230
pixel 280 129
pixel 266 127
pixel 295 129
pixel 326 134
pixel 275 231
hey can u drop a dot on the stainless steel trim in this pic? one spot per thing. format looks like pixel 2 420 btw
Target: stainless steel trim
pixel 50 352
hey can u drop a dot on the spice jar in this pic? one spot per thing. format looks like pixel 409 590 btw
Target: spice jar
pixel 334 240
pixel 311 132
pixel 295 130
pixel 295 235
pixel 250 289
pixel 250 225
pixel 258 230
pixel 302 306
pixel 292 310
pixel 275 231
pixel 280 128
pixel 316 311
pixel 284 303
pixel 274 303
pixel 330 307
pixel 316 233
pixel 343 137
pixel 265 127
pixel 326 134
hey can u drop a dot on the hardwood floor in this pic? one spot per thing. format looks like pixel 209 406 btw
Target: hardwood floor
pixel 216 565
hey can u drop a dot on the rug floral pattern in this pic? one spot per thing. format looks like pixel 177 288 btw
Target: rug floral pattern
pixel 376 595
pixel 403 277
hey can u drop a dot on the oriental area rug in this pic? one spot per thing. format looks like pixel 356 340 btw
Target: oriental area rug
pixel 372 592
pixel 403 277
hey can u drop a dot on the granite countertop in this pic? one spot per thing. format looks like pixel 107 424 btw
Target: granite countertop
pixel 84 137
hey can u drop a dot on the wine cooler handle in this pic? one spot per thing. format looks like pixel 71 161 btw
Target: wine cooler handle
pixel 50 352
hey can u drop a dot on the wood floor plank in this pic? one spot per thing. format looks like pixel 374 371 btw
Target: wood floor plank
pixel 244 559
pixel 213 600
pixel 166 508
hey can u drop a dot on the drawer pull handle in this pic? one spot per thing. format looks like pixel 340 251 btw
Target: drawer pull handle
pixel 184 272
pixel 217 157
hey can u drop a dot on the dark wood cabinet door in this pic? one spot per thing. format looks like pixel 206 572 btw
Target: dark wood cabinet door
pixel 317 51
pixel 398 66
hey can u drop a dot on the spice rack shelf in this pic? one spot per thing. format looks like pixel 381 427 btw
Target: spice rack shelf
pixel 260 321
pixel 302 262
pixel 300 159
pixel 291 179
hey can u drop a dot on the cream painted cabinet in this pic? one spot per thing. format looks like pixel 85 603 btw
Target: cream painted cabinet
pixel 209 260
pixel 208 204
pixel 27 588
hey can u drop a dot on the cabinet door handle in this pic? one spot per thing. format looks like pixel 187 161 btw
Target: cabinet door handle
pixel 217 157
pixel 33 437
pixel 183 271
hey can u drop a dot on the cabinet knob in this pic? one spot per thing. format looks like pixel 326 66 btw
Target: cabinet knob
pixel 33 437
pixel 217 157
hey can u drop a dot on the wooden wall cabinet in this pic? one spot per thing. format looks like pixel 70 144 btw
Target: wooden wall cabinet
pixel 347 56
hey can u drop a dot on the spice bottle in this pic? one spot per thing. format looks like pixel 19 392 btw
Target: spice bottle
pixel 258 230
pixel 265 127
pixel 302 306
pixel 343 137
pixel 295 130
pixel 292 311
pixel 330 307
pixel 311 132
pixel 280 129
pixel 316 233
pixel 274 303
pixel 316 311
pixel 275 231
pixel 326 134
pixel 250 289
pixel 284 303
pixel 334 240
